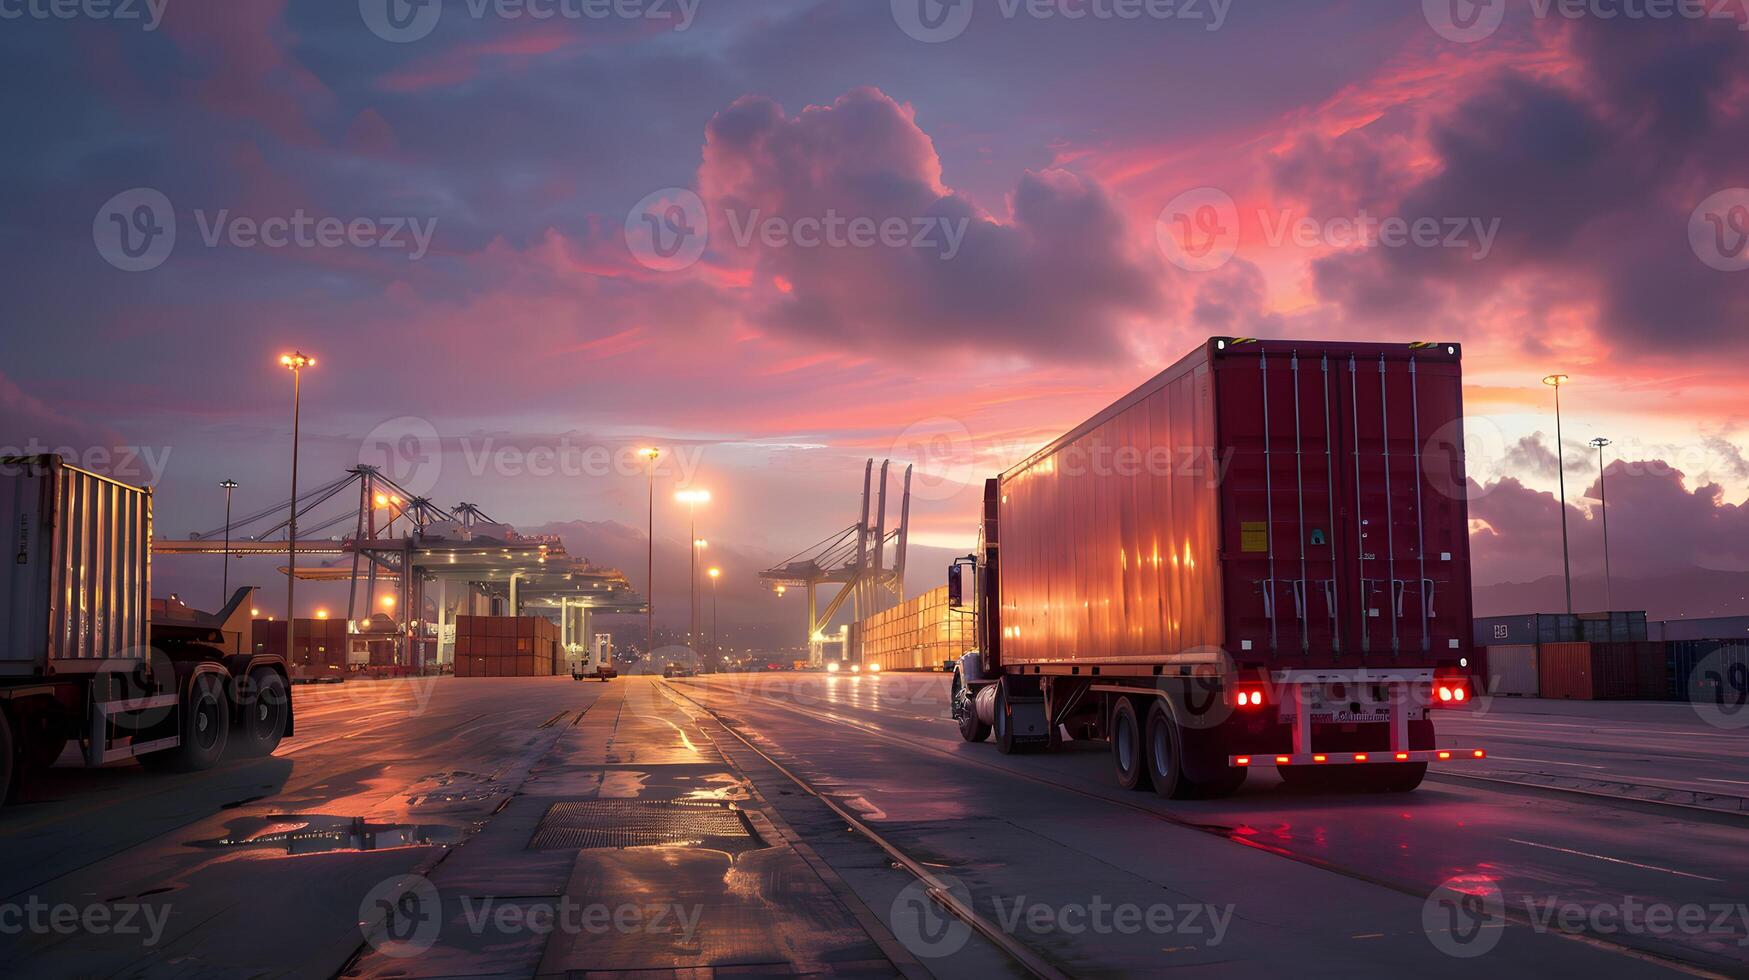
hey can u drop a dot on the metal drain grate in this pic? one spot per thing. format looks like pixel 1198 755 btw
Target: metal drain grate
pixel 642 823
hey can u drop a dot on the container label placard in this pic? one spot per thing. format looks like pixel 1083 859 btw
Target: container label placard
pixel 1253 536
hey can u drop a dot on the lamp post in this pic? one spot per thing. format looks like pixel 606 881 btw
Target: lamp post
pixel 716 653
pixel 1555 381
pixel 225 588
pixel 650 559
pixel 1603 498
pixel 295 362
pixel 692 498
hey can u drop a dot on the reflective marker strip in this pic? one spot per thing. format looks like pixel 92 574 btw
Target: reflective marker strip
pixel 1357 758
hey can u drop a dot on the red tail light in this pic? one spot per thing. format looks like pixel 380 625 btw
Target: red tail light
pixel 1449 692
pixel 1243 760
pixel 1250 697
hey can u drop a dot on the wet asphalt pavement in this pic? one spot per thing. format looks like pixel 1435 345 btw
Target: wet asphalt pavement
pixel 540 826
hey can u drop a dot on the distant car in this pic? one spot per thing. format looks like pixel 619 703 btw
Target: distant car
pixel 678 670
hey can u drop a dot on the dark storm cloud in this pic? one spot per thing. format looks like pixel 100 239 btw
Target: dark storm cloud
pixel 1593 179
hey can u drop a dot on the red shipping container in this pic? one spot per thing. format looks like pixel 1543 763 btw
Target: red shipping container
pixel 1564 670
pixel 1258 498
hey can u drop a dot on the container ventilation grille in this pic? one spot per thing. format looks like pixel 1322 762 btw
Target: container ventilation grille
pixel 642 823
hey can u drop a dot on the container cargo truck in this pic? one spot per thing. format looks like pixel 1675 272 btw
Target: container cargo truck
pixel 81 660
pixel 1259 558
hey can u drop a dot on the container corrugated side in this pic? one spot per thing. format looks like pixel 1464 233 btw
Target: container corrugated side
pixel 1512 670
pixel 79 579
pixel 1707 671
pixel 1564 671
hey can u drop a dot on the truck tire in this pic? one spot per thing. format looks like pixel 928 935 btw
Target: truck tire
pixel 1129 752
pixel 1165 754
pixel 965 711
pixel 264 714
pixel 204 724
pixel 8 763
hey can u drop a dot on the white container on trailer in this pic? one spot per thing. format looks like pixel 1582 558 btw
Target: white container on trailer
pixel 78 572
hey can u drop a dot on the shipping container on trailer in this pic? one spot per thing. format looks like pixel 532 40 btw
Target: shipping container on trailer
pixel 1258 558
pixel 81 658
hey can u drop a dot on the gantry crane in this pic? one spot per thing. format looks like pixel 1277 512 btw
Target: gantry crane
pixel 855 560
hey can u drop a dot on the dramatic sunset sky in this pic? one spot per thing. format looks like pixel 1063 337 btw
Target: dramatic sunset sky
pixel 1582 161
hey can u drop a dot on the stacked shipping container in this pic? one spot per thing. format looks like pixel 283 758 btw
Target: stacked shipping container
pixel 1715 671
pixel 319 645
pixel 923 633
pixel 506 646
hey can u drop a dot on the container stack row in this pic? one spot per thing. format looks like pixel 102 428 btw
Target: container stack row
pixel 506 646
pixel 318 645
pixel 1713 671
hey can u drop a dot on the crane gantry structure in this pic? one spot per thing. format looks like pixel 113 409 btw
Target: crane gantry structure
pixel 855 560
pixel 489 560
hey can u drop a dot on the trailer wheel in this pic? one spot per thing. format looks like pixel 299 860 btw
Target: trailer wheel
pixel 204 724
pixel 263 721
pixel 965 711
pixel 1166 755
pixel 1128 746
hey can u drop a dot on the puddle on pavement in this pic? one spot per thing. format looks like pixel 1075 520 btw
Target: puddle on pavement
pixel 318 834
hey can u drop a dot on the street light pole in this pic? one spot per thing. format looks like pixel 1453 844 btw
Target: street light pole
pixel 1555 381
pixel 650 560
pixel 716 651
pixel 296 361
pixel 1603 498
pixel 225 588
pixel 692 498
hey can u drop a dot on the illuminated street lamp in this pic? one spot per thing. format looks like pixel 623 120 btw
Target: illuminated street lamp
pixel 1555 381
pixel 1603 498
pixel 225 587
pixel 651 454
pixel 714 573
pixel 295 362
pixel 692 498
